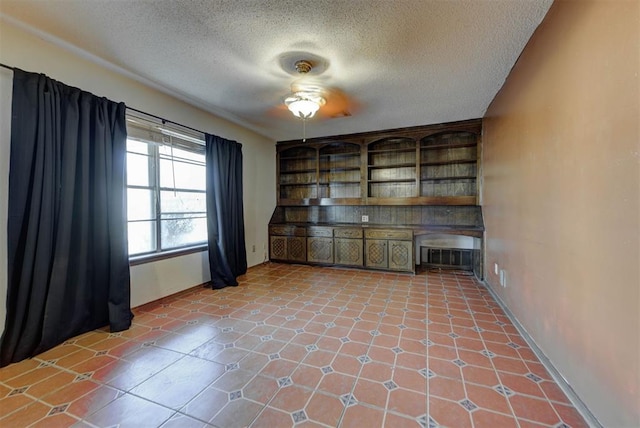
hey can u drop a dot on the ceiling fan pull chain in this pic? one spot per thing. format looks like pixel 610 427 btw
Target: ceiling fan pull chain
pixel 304 129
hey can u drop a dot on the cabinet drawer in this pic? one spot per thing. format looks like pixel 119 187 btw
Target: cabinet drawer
pixel 287 230
pixel 388 234
pixel 326 232
pixel 347 233
pixel 281 230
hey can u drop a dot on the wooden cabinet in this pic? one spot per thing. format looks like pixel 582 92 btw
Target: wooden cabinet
pixel 288 248
pixel 288 243
pixel 320 250
pixel 401 255
pixel 317 244
pixel 376 253
pixel 320 244
pixel 389 249
pixel 423 179
pixel 348 246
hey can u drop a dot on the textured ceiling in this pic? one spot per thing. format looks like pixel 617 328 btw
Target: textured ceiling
pixel 389 63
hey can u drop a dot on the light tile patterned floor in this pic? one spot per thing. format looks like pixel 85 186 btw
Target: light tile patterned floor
pixel 298 345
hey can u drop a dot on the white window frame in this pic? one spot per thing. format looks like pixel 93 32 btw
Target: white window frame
pixel 156 133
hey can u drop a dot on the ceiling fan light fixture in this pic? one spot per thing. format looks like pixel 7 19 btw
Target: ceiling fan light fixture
pixel 304 105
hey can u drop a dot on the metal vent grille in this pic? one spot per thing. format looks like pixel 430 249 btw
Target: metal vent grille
pixel 454 258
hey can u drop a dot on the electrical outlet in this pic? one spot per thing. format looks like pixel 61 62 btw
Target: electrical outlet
pixel 495 268
pixel 253 248
pixel 365 218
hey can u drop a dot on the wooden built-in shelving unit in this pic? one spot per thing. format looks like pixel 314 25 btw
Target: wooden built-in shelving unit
pixel 421 165
pixel 402 169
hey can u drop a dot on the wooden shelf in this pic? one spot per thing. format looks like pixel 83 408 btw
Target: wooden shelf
pixel 397 180
pixel 425 200
pixel 450 162
pixel 340 155
pixel 340 201
pixel 298 158
pixel 459 177
pixel 447 146
pixel 340 169
pixel 299 184
pixel 397 165
pixel 299 171
pixel 475 231
pixel 338 182
pixel 405 150
pixel 298 202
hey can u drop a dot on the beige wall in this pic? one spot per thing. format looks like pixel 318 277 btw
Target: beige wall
pixel 150 281
pixel 561 199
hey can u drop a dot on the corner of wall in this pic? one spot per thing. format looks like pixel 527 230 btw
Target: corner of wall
pixel 6 84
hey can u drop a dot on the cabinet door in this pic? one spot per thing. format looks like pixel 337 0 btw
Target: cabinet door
pixel 320 250
pixel 278 247
pixel 401 255
pixel 376 253
pixel 297 248
pixel 348 251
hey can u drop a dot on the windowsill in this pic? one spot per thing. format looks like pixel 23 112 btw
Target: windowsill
pixel 154 257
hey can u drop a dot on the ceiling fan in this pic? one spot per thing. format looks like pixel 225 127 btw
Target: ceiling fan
pixel 305 100
pixel 308 96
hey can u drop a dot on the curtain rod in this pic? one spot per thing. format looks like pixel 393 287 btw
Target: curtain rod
pixel 165 120
pixel 8 67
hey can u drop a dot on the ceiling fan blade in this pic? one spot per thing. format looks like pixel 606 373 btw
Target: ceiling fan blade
pixel 338 104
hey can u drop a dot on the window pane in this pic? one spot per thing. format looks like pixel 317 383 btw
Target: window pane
pixel 137 169
pixel 187 175
pixel 137 147
pixel 165 152
pixel 142 237
pixel 182 202
pixel 183 232
pixel 140 204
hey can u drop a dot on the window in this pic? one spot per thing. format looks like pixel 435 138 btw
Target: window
pixel 166 187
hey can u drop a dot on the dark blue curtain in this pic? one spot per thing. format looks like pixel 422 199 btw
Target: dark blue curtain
pixel 225 219
pixel 68 269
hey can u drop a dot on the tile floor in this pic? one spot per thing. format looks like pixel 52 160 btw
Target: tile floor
pixel 297 345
